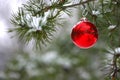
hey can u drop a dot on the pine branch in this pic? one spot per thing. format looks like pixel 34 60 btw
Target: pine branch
pixel 115 66
pixel 64 7
pixel 81 3
pixel 36 20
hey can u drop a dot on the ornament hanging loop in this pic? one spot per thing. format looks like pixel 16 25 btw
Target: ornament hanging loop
pixel 84 13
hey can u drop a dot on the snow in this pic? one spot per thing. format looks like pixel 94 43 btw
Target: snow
pixel 117 50
pixel 49 57
pixel 84 74
pixel 94 12
pixel 37 22
pixel 111 53
pixel 64 62
pixel 111 27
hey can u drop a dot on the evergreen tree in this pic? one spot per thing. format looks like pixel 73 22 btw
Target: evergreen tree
pixel 38 21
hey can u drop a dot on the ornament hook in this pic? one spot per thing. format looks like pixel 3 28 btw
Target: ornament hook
pixel 84 13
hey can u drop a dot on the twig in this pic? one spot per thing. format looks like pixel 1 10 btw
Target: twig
pixel 115 68
pixel 81 3
pixel 68 6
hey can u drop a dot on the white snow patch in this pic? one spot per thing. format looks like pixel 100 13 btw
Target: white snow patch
pixel 84 74
pixel 64 62
pixel 49 57
pixel 94 12
pixel 117 50
pixel 111 27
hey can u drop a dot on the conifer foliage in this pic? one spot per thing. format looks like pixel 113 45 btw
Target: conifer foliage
pixel 36 21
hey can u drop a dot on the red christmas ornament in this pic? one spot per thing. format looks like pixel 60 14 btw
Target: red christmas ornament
pixel 84 34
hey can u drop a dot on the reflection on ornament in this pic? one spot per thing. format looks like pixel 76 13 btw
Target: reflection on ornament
pixel 84 34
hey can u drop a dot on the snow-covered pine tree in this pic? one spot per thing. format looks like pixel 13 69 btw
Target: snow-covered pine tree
pixel 35 23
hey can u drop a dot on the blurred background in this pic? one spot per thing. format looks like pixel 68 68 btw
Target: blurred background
pixel 59 60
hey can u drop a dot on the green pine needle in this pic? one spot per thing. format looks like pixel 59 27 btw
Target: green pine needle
pixel 36 21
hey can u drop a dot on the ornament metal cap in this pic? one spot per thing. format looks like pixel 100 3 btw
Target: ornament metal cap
pixel 84 19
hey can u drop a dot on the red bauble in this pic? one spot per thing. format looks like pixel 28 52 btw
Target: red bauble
pixel 84 34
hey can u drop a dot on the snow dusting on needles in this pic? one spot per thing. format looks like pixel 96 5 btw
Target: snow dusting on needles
pixel 37 22
pixel 64 62
pixel 117 50
pixel 111 27
pixel 53 1
pixel 49 57
pixel 44 19
pixel 94 12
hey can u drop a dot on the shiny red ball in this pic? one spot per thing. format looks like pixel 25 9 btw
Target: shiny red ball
pixel 84 34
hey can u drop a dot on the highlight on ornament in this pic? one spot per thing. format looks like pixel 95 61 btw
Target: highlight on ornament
pixel 84 34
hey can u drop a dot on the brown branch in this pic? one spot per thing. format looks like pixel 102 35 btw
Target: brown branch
pixel 81 3
pixel 115 68
pixel 64 7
